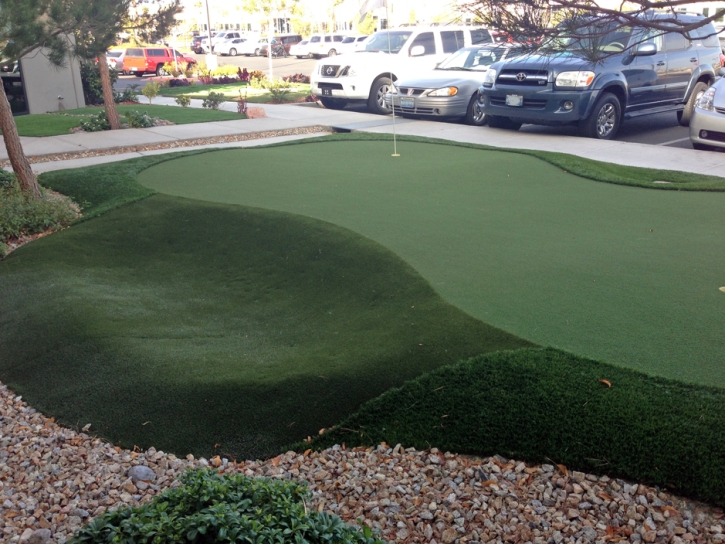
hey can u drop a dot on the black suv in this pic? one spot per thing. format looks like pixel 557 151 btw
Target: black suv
pixel 643 72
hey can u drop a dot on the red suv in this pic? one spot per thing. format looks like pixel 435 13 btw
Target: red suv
pixel 143 60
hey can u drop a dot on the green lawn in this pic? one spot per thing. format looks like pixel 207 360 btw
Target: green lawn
pixel 55 124
pixel 620 274
pixel 186 324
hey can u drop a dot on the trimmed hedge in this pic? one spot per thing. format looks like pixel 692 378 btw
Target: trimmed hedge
pixel 213 508
pixel 545 405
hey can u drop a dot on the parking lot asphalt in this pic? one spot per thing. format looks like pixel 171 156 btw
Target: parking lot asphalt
pixel 662 129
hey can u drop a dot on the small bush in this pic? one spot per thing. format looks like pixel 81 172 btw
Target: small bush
pixel 96 123
pixel 91 81
pixel 297 78
pixel 127 95
pixel 213 508
pixel 257 79
pixel 151 90
pixel 243 75
pixel 226 70
pixel 137 119
pixel 213 101
pixel 179 83
pixel 20 215
pixel 278 88
pixel 174 69
pixel 225 80
pixel 183 101
pixel 6 178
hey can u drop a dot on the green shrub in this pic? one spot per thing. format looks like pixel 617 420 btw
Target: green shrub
pixel 3 249
pixel 20 215
pixel 91 80
pixel 544 405
pixel 96 123
pixel 6 178
pixel 226 70
pixel 213 100
pixel 278 88
pixel 213 508
pixel 257 79
pixel 151 90
pixel 136 119
pixel 183 101
pixel 127 95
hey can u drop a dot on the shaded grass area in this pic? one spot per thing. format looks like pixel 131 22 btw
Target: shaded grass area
pixel 619 274
pixel 545 405
pixel 55 124
pixel 210 328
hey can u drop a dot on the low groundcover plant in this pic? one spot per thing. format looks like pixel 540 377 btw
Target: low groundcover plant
pixel 209 507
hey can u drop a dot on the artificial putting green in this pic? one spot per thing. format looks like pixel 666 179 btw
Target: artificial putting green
pixel 213 328
pixel 620 274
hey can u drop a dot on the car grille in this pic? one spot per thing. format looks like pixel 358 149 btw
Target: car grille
pixel 528 102
pixel 523 77
pixel 415 110
pixel 409 91
pixel 329 70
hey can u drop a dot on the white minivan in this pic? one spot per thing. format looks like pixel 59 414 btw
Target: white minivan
pixel 325 45
pixel 385 57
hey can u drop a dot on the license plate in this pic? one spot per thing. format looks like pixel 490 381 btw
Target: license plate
pixel 326 92
pixel 134 69
pixel 514 100
pixel 407 102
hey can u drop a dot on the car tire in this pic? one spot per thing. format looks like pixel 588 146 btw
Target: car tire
pixel 497 121
pixel 604 120
pixel 333 103
pixel 331 53
pixel 232 52
pixel 700 147
pixel 474 115
pixel 376 100
pixel 298 56
pixel 256 52
pixel 160 70
pixel 684 116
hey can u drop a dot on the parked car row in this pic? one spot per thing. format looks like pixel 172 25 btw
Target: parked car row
pixel 468 73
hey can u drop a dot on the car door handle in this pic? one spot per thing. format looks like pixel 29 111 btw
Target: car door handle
pixel 660 63
pixel 693 60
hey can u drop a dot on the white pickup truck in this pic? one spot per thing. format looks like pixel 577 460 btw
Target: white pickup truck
pixel 388 55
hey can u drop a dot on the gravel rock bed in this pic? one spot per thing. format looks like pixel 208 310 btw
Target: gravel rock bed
pixel 53 480
pixel 170 145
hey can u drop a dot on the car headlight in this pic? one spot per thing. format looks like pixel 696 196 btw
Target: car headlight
pixel 575 79
pixel 490 78
pixel 348 71
pixel 706 100
pixel 445 91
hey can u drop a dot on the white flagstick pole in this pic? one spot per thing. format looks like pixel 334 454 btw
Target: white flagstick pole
pixel 392 103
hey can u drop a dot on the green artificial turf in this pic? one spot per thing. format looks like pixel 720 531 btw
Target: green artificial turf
pixel 55 124
pixel 621 274
pixel 213 328
pixel 544 406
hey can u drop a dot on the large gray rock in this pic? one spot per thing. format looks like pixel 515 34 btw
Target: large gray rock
pixel 39 536
pixel 141 473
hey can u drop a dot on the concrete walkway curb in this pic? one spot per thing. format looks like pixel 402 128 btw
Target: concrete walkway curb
pixel 296 116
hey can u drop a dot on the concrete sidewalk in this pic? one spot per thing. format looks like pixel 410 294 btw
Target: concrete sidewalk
pixel 294 116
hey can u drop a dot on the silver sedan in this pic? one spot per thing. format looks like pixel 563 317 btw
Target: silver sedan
pixel 451 90
pixel 707 126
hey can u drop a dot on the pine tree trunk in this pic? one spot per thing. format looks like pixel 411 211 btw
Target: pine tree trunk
pixel 21 165
pixel 109 103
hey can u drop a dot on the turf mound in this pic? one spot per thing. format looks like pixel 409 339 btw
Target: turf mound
pixel 625 275
pixel 544 405
pixel 208 328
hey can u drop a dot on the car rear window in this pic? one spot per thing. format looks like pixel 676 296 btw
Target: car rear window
pixel 134 52
pixel 452 40
pixel 480 36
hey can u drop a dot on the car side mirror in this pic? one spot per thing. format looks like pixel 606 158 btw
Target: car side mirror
pixel 645 50
pixel 417 51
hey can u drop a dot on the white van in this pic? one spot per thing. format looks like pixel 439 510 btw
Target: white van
pixel 385 57
pixel 325 45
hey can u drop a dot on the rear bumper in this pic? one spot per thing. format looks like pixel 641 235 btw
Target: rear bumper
pixel 540 106
pixel 455 106
pixel 713 125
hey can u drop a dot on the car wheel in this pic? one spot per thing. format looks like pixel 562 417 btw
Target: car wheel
pixel 684 116
pixel 376 100
pixel 256 52
pixel 496 121
pixel 474 114
pixel 331 53
pixel 233 52
pixel 160 70
pixel 333 103
pixel 603 123
pixel 298 56
pixel 700 147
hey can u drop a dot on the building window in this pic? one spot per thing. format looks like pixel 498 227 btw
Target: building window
pixel 12 81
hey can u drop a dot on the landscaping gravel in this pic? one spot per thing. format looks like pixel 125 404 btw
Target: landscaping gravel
pixel 53 480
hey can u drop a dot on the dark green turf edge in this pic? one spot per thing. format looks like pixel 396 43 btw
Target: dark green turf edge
pixel 585 168
pixel 545 405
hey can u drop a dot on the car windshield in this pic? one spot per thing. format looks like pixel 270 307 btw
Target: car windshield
pixel 472 59
pixel 606 38
pixel 348 40
pixel 385 41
